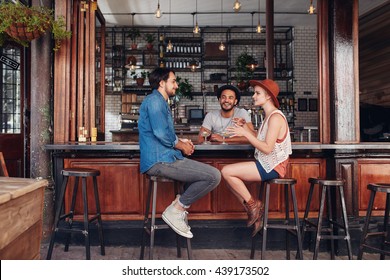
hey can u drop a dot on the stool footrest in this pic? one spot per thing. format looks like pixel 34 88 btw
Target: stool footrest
pixel 70 230
pixel 377 250
pixel 293 227
pixel 334 237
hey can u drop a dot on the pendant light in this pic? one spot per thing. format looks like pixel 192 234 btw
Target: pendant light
pixel 170 45
pixel 311 9
pixel 258 28
pixel 221 46
pixel 252 64
pixel 237 6
pixel 158 12
pixel 196 27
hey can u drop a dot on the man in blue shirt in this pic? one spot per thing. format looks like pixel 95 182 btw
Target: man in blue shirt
pixel 162 151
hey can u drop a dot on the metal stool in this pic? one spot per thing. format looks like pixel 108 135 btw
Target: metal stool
pixel 318 227
pixel 290 228
pixel 150 225
pixel 385 234
pixel 84 173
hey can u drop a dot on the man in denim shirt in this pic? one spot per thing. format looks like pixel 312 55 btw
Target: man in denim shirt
pixel 162 151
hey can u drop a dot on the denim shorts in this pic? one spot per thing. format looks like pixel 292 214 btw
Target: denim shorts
pixel 264 175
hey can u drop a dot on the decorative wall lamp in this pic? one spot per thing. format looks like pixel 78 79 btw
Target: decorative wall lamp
pixel 158 12
pixel 237 6
pixel 311 9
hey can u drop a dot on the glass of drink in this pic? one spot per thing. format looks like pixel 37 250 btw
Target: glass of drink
pixel 205 134
pixel 224 135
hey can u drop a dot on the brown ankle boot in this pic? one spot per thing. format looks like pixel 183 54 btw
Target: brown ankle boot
pixel 253 208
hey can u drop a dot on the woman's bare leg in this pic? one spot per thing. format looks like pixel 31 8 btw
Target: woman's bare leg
pixel 235 174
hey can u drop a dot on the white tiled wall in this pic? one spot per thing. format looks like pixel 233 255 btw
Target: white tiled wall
pixel 305 72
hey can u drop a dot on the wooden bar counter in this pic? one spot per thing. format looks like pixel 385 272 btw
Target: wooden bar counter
pixel 21 208
pixel 123 189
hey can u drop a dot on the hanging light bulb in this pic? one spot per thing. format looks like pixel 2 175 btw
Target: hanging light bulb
pixel 170 45
pixel 158 12
pixel 253 63
pixel 193 65
pixel 258 28
pixel 311 9
pixel 221 47
pixel 196 27
pixel 237 6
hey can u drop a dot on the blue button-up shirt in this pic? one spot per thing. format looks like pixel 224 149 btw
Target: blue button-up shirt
pixel 157 138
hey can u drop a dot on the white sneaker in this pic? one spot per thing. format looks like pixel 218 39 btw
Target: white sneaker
pixel 177 220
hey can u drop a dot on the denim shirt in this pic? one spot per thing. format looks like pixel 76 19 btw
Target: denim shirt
pixel 157 138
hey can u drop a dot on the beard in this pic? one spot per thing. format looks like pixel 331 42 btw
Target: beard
pixel 227 110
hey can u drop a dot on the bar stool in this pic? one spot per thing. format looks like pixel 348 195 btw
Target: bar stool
pixel 385 234
pixel 290 228
pixel 82 173
pixel 326 185
pixel 150 225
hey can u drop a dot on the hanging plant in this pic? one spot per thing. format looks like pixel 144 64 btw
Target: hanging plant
pixel 23 24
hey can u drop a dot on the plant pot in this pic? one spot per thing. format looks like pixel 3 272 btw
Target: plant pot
pixel 19 31
pixel 134 46
pixel 149 46
pixel 140 81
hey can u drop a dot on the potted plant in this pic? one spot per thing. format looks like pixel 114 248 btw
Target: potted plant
pixel 184 89
pixel 134 34
pixel 23 24
pixel 149 38
pixel 140 77
pixel 243 74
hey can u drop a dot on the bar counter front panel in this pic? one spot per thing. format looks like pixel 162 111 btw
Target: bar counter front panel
pixel 123 189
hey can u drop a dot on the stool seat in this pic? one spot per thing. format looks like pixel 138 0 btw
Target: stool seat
pixel 292 228
pixel 80 172
pixel 385 233
pixel 326 185
pixel 150 226
pixel 77 173
pixel 379 187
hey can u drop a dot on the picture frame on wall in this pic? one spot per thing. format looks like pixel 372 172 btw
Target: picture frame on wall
pixel 302 104
pixel 313 106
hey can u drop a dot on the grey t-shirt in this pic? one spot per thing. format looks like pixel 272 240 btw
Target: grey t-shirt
pixel 217 124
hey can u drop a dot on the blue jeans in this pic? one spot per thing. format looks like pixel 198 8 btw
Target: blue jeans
pixel 199 178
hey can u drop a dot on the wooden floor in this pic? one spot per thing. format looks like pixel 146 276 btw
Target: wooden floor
pixel 164 253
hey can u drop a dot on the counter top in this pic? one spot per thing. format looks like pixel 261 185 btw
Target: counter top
pixel 134 146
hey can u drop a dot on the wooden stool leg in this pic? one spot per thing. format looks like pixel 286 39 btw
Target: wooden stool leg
pixel 386 233
pixel 345 219
pixel 367 222
pixel 57 218
pixel 307 209
pixel 71 212
pixel 178 190
pixel 319 223
pixel 296 218
pixel 287 220
pixel 99 216
pixel 331 221
pixel 153 224
pixel 86 222
pixel 146 220
pixel 265 224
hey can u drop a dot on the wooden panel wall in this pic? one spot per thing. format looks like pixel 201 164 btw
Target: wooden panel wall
pixel 374 56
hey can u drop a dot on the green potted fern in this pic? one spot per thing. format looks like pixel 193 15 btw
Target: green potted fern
pixel 23 24
pixel 149 38
pixel 133 35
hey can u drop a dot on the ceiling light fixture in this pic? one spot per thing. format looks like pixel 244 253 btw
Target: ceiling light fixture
pixel 221 46
pixel 258 28
pixel 253 63
pixel 170 45
pixel 237 6
pixel 311 9
pixel 158 12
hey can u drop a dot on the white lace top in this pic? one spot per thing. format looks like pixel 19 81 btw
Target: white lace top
pixel 281 150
